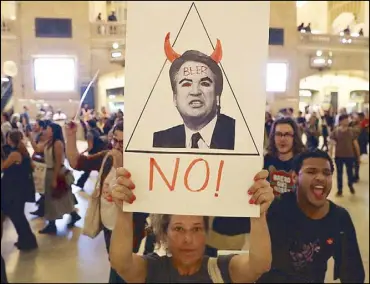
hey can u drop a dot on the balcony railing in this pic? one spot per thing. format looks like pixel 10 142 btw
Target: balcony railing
pixel 7 28
pixel 105 30
pixel 334 40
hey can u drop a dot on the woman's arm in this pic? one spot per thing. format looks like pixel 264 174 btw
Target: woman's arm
pixel 128 265
pixel 13 158
pixel 58 156
pixel 71 145
pixel 248 268
pixel 37 147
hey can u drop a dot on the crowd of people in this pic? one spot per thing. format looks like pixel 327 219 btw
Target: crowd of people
pixel 298 230
pixel 347 133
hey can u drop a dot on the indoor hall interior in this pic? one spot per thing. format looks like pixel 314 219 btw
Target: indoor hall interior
pixel 71 257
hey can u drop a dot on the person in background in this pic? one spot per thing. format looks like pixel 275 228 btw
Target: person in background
pixel 346 150
pixel 112 17
pixel 347 31
pixel 49 113
pixel 341 112
pixel 57 203
pixel 284 144
pixel 59 115
pixel 17 188
pixel 325 134
pixel 268 122
pixel 38 135
pixel 94 145
pixel 98 18
pixel 307 229
pixel 308 28
pixel 6 126
pixel 364 134
pixel 105 162
pixel 119 116
pixel 355 125
pixel 300 27
pixel 25 119
pixel 329 118
pixel 361 32
pixel 301 122
pixel 312 133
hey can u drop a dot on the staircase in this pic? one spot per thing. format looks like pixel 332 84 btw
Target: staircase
pixel 6 93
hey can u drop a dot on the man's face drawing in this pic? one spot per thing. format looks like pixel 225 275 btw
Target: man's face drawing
pixel 195 96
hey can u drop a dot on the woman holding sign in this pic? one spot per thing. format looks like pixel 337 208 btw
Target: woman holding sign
pixel 184 237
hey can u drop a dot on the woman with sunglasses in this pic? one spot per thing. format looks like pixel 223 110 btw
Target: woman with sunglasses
pixel 106 162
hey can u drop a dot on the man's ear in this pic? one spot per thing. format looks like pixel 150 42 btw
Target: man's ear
pixel 218 100
pixel 174 99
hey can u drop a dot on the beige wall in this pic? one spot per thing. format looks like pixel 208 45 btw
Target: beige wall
pixel 343 84
pixel 108 81
pixel 90 54
pixel 8 9
pixel 283 14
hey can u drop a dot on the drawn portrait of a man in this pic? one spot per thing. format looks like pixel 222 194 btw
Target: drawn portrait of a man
pixel 197 84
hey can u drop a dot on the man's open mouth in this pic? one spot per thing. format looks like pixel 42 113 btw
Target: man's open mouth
pixel 319 191
pixel 196 103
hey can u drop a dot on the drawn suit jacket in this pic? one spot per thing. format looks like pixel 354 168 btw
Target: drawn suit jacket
pixel 223 135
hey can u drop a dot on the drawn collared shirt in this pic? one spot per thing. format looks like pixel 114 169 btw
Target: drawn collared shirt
pixel 206 132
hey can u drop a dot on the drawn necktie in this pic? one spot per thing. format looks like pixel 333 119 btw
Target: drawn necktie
pixel 194 140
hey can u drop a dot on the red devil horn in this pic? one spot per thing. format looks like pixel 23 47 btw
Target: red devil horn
pixel 170 53
pixel 217 53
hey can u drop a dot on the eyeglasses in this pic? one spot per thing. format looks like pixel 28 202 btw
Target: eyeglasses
pixel 115 141
pixel 283 135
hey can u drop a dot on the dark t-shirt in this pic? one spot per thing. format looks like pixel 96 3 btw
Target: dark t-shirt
pixel 161 270
pixel 280 174
pixel 301 246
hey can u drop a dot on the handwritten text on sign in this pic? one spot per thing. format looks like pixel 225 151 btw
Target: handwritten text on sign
pixel 199 162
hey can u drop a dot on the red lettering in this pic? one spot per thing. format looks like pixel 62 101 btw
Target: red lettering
pixel 153 163
pixel 219 175
pixel 186 177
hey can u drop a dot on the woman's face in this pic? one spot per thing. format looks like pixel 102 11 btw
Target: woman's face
pixel 186 238
pixel 48 132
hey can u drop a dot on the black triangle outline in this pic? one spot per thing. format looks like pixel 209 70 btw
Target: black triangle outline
pixel 155 83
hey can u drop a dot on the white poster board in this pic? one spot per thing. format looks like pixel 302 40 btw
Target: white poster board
pixel 39 174
pixel 203 161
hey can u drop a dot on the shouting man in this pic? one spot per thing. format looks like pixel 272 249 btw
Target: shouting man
pixel 197 83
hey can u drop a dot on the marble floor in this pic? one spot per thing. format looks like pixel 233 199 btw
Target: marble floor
pixel 74 258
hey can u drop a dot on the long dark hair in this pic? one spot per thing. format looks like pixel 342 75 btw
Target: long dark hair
pixel 298 146
pixel 57 134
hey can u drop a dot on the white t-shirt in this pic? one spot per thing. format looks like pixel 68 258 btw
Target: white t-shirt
pixel 108 209
pixel 59 116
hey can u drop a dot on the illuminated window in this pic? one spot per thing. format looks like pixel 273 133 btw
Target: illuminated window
pixel 277 74
pixel 56 74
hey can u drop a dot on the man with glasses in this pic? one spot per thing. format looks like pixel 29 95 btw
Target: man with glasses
pixel 113 159
pixel 307 229
pixel 284 143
